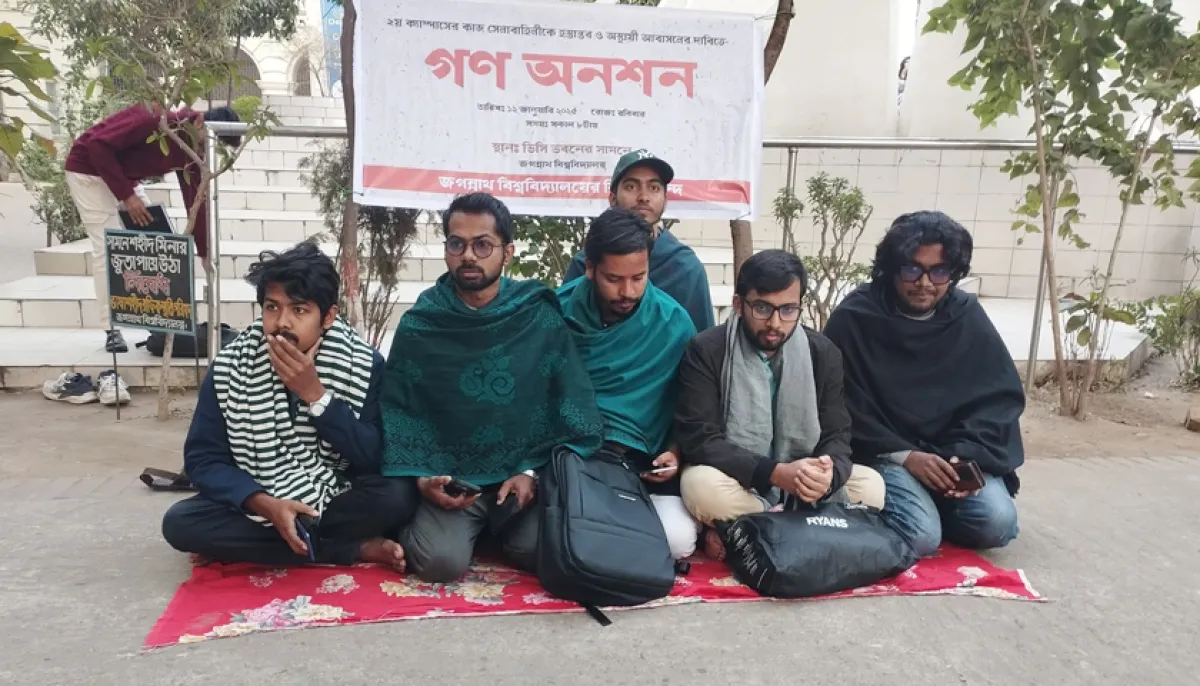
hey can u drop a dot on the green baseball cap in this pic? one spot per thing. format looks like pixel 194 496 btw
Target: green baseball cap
pixel 641 158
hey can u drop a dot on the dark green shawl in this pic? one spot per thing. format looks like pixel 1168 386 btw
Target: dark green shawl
pixel 482 395
pixel 632 364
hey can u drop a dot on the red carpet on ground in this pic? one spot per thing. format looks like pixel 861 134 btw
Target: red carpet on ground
pixel 222 601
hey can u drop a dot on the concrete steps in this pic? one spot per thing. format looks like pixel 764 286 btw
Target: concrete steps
pixel 273 198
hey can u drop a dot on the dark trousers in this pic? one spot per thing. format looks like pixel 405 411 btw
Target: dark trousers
pixel 374 507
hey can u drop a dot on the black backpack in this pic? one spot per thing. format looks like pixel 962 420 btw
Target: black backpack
pixel 187 346
pixel 601 541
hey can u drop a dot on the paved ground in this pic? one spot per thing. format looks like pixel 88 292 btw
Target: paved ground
pixel 84 575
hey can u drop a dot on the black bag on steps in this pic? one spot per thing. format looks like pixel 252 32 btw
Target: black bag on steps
pixel 187 346
pixel 814 551
pixel 601 541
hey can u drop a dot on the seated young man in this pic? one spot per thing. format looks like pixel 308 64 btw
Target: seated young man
pixel 930 383
pixel 482 383
pixel 639 184
pixel 761 414
pixel 287 429
pixel 631 336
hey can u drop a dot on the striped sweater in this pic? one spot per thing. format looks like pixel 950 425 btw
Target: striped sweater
pixel 266 436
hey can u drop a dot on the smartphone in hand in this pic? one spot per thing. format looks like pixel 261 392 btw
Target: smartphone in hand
pixel 970 477
pixel 457 487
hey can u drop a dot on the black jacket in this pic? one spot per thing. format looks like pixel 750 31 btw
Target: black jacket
pixel 700 422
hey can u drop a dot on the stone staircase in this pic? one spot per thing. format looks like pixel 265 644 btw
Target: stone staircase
pixel 264 205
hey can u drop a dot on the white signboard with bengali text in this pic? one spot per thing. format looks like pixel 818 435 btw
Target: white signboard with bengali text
pixel 535 102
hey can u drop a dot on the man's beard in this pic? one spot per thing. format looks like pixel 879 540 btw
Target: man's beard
pixel 477 283
pixel 615 315
pixel 759 338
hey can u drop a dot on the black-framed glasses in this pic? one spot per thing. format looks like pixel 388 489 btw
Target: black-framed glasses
pixel 763 311
pixel 938 275
pixel 482 247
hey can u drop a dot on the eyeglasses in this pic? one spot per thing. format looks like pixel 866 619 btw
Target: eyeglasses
pixel 939 275
pixel 763 311
pixel 482 247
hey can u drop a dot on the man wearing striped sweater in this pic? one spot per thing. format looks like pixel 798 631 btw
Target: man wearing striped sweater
pixel 286 439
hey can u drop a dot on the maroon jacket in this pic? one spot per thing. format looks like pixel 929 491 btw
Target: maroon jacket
pixel 116 150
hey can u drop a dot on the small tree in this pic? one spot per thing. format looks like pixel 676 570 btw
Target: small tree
pixel 386 234
pixel 1032 55
pixel 841 213
pixel 165 52
pixel 1173 324
pixel 550 245
pixel 275 19
pixel 1049 57
pixel 22 67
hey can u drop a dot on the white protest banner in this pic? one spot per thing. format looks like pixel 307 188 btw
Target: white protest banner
pixel 535 102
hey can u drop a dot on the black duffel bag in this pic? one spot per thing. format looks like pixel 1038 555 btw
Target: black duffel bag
pixel 814 551
pixel 601 541
pixel 187 346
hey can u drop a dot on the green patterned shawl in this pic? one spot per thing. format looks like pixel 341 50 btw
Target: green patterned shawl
pixel 482 395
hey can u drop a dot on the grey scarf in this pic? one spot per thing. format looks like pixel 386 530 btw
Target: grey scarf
pixel 791 429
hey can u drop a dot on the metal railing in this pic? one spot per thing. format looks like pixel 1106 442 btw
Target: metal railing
pixel 792 145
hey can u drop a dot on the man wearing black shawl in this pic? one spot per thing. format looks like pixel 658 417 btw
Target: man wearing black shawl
pixel 929 383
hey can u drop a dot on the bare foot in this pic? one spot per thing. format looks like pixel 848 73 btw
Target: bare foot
pixel 714 547
pixel 384 552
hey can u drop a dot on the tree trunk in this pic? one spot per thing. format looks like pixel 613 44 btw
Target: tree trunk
pixel 349 242
pixel 740 229
pixel 237 69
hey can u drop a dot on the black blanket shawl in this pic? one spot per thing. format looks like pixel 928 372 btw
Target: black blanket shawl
pixel 946 385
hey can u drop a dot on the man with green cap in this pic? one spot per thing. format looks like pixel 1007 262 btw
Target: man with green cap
pixel 639 184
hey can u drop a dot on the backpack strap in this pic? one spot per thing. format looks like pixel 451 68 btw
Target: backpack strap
pixel 597 614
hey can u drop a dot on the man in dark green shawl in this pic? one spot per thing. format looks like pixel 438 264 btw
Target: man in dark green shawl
pixel 483 381
pixel 632 336
pixel 639 183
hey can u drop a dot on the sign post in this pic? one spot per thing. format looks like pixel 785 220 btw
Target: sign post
pixel 150 284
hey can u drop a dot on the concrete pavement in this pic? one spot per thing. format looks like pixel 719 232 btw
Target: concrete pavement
pixel 1114 543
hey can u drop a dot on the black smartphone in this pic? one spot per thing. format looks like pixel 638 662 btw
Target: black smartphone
pixel 501 516
pixel 970 477
pixel 303 524
pixel 458 487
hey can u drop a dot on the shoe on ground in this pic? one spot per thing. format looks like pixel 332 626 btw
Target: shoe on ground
pixel 112 389
pixel 114 342
pixel 71 387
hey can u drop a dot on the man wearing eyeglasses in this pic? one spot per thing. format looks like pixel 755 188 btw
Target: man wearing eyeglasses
pixel 482 382
pixel 932 389
pixel 760 418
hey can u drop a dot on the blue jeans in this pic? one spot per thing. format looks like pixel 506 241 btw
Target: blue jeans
pixel 985 520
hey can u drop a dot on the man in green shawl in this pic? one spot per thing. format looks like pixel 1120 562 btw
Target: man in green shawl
pixel 639 183
pixel 483 381
pixel 632 336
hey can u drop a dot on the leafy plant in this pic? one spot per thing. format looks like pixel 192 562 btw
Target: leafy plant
pixel 550 245
pixel 1173 324
pixel 385 234
pixel 841 213
pixel 21 65
pixel 1050 57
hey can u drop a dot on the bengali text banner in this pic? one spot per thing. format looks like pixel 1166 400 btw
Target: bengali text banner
pixel 534 103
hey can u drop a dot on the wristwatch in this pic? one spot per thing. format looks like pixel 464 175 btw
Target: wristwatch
pixel 531 474
pixel 318 408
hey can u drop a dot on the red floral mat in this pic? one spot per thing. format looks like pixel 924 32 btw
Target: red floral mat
pixel 221 601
